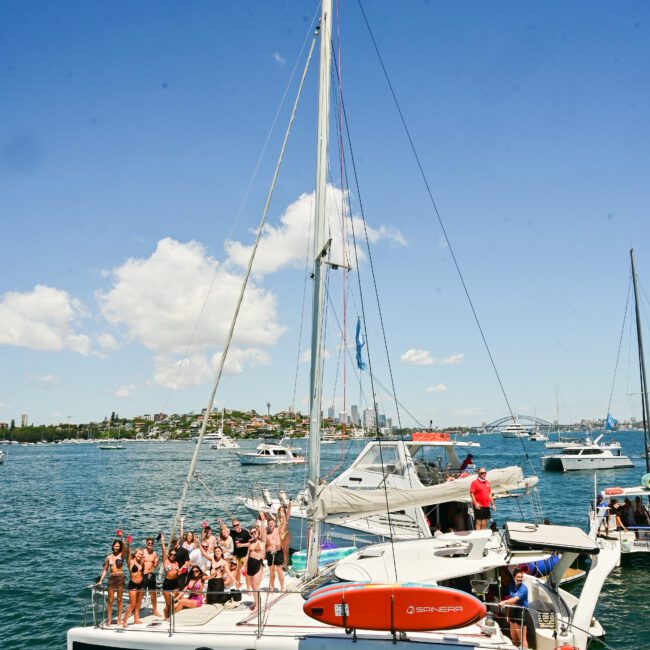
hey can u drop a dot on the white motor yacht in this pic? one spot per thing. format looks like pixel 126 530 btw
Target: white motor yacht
pixel 516 430
pixel 589 455
pixel 270 454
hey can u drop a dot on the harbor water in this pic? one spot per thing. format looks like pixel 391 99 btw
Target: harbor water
pixel 61 506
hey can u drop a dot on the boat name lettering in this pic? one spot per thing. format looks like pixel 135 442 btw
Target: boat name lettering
pixel 443 609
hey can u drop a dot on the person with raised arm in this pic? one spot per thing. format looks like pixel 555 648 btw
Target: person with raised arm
pixel 284 513
pixel 135 563
pixel 274 555
pixel 189 543
pixel 114 567
pixel 170 583
pixel 255 559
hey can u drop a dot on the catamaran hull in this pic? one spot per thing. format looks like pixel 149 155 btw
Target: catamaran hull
pixel 95 639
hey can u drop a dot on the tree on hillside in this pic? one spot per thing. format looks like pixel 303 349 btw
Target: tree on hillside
pixel 12 426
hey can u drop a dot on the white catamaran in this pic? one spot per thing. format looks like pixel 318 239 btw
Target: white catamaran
pixel 368 601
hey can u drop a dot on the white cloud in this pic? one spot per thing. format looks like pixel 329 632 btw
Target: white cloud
pixel 453 359
pixel 46 380
pixel 438 388
pixel 107 342
pixel 43 319
pixel 278 58
pixel 305 357
pixel 197 369
pixel 157 302
pixel 415 357
pixel 287 244
pixel 124 391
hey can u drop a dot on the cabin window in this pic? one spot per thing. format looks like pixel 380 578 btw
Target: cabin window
pixel 384 458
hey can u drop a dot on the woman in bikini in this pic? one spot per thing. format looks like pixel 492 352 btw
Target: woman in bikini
pixel 254 560
pixel 284 512
pixel 170 583
pixel 194 588
pixel 114 566
pixel 218 577
pixel 136 584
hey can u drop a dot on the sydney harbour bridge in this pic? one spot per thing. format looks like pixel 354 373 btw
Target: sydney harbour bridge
pixel 526 421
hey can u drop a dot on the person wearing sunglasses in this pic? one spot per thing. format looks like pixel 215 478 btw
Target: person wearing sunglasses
pixel 481 493
pixel 170 583
pixel 241 538
pixel 192 595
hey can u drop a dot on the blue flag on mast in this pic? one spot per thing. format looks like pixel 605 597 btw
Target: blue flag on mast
pixel 610 422
pixel 361 341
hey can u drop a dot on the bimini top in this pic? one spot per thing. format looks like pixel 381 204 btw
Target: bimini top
pixel 526 536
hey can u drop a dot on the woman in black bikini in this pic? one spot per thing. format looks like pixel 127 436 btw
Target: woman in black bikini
pixel 254 566
pixel 136 584
pixel 170 583
pixel 115 569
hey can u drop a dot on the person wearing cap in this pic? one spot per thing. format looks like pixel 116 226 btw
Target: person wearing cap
pixel 481 494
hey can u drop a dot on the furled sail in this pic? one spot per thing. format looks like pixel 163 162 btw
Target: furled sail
pixel 333 500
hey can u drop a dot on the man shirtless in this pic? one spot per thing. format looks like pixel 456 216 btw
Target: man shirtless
pixel 274 554
pixel 151 561
pixel 208 537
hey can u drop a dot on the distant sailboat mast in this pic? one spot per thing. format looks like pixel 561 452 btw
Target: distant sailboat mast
pixel 319 252
pixel 644 384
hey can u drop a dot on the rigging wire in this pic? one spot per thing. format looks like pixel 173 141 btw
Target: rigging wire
pixel 620 341
pixel 442 226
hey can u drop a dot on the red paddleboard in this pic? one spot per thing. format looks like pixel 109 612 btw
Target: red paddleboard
pixel 394 607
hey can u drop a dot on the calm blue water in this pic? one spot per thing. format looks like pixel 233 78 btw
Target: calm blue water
pixel 62 504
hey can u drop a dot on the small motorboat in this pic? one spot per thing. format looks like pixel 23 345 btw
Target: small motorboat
pixel 270 454
pixel 3 456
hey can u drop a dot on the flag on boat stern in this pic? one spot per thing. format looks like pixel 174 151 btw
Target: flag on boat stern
pixel 361 341
pixel 610 422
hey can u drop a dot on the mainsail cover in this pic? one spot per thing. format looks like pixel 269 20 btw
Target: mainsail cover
pixel 334 500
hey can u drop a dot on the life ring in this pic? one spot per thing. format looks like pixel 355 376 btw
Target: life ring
pixel 614 490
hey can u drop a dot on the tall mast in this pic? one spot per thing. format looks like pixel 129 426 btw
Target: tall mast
pixel 644 383
pixel 319 253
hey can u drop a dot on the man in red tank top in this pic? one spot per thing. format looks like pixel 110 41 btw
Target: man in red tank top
pixel 481 494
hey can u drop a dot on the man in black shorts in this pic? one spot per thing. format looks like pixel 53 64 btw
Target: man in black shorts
pixel 240 537
pixel 151 562
pixel 481 493
pixel 274 554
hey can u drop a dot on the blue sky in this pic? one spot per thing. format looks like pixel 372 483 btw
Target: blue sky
pixel 128 136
